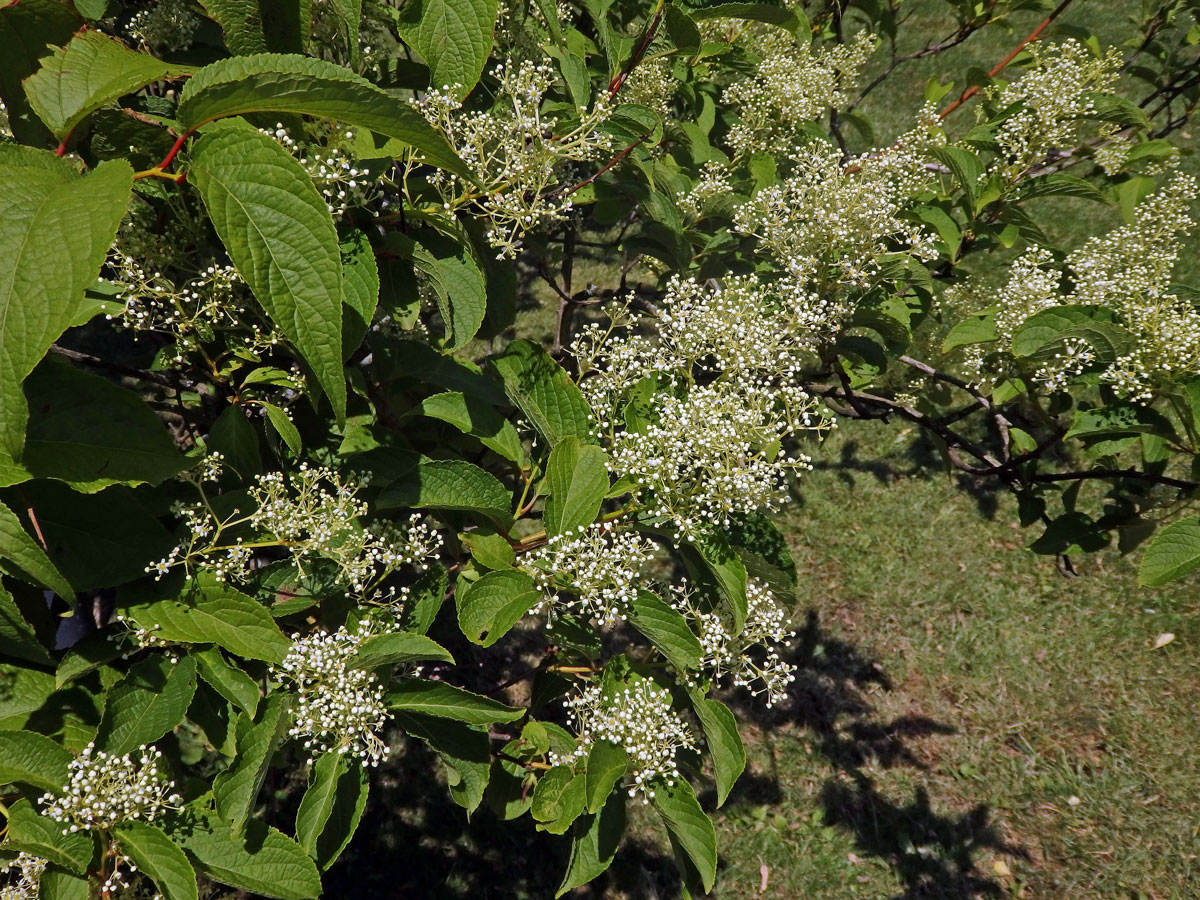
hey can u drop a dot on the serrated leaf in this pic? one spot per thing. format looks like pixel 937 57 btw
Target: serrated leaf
pixel 558 806
pixel 280 235
pixel 88 432
pixel 284 427
pixel 475 417
pixel 976 329
pixel 87 655
pixel 398 647
pixel 18 640
pixel 23 553
pixel 690 827
pixel 454 37
pixel 33 759
pixel 55 229
pixel 229 681
pixel 463 749
pixel 1041 335
pixel 236 789
pixel 25 30
pixel 211 612
pixel 43 836
pixel 147 703
pixel 241 21
pixel 360 283
pixel 577 479
pixel 488 608
pixel 1174 553
pixel 236 440
pixel 449 484
pixel 594 844
pixel 540 388
pixel 59 884
pixel 457 282
pixel 606 765
pixel 1120 418
pixel 159 857
pixel 667 629
pixel 91 71
pixel 265 862
pixel 290 83
pixel 331 807
pixel 724 743
pixel 435 698
pixel 489 548
pixel 727 570
pixel 25 691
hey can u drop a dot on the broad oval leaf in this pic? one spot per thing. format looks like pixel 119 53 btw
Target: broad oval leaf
pixel 159 857
pixel 33 759
pixel 1174 553
pixel 690 828
pixel 449 484
pixel 289 83
pixel 398 647
pixel 435 698
pixel 488 608
pixel 577 479
pixel 606 764
pixel 150 701
pixel 280 235
pixel 44 837
pixel 454 37
pixel 265 862
pixel 667 629
pixel 19 549
pixel 594 844
pixel 474 416
pixel 541 389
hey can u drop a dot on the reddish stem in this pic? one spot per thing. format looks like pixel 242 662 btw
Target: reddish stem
pixel 174 151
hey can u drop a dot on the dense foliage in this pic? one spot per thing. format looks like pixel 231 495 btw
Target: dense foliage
pixel 282 493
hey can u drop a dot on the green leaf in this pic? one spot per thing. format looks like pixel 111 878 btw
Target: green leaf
pixel 1042 334
pixel 289 83
pixel 667 629
pixel 236 789
pixel 727 570
pixel 464 750
pixel 18 639
pixel 284 427
pixel 1174 553
pixel 458 283
pixel 425 597
pixel 331 807
pixel 147 703
pixel 724 743
pixel 435 698
pixel 241 20
pixel 606 765
pixel 967 169
pixel 33 759
pixel 25 30
pixel 449 484
pixel 88 432
pixel 360 281
pixel 236 440
pixel 475 417
pixel 43 836
pixel 976 329
pixel 541 389
pixel 23 553
pixel 159 857
pixel 229 681
pixel 59 884
pixel 577 479
pixel 211 612
pixel 489 548
pixel 690 827
pixel 25 691
pixel 398 647
pixel 280 235
pixel 91 71
pixel 89 654
pixel 55 229
pixel 454 37
pixel 558 799
pixel 792 20
pixel 490 607
pixel 265 862
pixel 1120 418
pixel 594 844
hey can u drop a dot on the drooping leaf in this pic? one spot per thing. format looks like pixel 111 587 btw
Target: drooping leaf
pixel 26 28
pixel 724 742
pixel 332 807
pixel 577 479
pixel 88 432
pixel 488 608
pixel 449 484
pixel 18 639
pixel 541 389
pixel 236 789
pixel 454 37
pixel 606 765
pixel 280 235
pixel 726 569
pixel 690 827
pixel 55 229
pixel 147 703
pixel 32 759
pixel 435 698
pixel 594 843
pixel 475 417
pixel 360 281
pixel 159 857
pixel 44 837
pixel 1174 553
pixel 977 329
pixel 667 629
pixel 289 83
pixel 559 799
pixel 265 861
pixel 464 750
pixel 229 681
pixel 458 284
pixel 18 550
pixel 398 647
pixel 90 72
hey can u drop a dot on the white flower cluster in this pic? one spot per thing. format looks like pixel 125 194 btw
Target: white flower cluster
pixel 828 226
pixel 1051 100
pixel 652 84
pixel 20 878
pixel 1128 271
pixel 333 169
pixel 791 87
pixel 515 150
pixel 639 719
pixel 337 708
pixel 713 391
pixel 601 566
pixel 5 126
pixel 103 790
pixel 314 514
pixel 728 655
pixel 165 26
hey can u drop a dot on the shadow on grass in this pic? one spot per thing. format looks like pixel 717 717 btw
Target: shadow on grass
pixel 932 853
